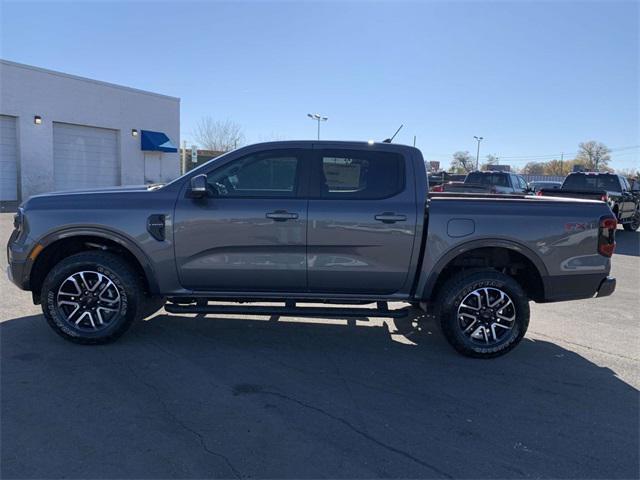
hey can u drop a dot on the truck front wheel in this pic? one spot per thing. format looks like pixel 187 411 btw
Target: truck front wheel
pixel 634 224
pixel 91 297
pixel 483 314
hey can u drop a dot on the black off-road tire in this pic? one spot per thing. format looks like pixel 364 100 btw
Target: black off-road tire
pixel 454 292
pixel 124 279
pixel 634 224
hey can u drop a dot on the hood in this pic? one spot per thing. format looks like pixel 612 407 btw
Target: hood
pixel 122 188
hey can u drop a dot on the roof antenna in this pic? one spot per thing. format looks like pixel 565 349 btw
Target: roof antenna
pixel 389 140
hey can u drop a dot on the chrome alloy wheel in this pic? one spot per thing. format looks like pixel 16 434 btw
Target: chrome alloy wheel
pixel 486 315
pixel 88 301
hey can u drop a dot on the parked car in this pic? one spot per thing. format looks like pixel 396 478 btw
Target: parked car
pixel 614 189
pixel 296 222
pixel 488 182
pixel 538 185
pixel 439 178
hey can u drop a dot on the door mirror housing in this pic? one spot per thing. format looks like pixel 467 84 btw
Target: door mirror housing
pixel 198 186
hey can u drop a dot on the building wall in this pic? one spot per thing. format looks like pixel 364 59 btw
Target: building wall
pixel 26 91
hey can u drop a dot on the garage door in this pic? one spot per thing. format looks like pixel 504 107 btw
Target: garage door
pixel 84 157
pixel 8 159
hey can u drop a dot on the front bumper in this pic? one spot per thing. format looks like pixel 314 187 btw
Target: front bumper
pixel 607 287
pixel 18 263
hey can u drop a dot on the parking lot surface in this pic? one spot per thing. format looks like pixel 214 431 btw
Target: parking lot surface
pixel 195 397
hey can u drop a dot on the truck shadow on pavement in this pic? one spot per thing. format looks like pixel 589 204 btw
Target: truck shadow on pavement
pixel 183 397
pixel 627 243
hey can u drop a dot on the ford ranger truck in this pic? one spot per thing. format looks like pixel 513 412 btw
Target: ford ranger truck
pixel 308 223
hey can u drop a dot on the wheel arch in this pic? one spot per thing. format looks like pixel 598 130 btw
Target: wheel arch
pixel 506 250
pixel 65 242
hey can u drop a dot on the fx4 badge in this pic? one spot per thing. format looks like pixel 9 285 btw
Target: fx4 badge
pixel 575 227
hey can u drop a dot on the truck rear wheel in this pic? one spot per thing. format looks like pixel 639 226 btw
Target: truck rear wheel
pixel 91 297
pixel 634 224
pixel 483 314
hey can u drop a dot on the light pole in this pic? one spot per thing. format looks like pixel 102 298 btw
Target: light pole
pixel 479 139
pixel 319 118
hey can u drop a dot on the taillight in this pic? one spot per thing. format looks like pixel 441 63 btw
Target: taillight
pixel 539 193
pixel 437 188
pixel 603 197
pixel 607 236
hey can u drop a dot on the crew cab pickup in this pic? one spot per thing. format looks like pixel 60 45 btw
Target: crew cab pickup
pixel 307 224
pixel 614 189
pixel 487 182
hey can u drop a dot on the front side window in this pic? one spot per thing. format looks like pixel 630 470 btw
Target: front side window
pixel 270 174
pixel 361 175
pixel 523 183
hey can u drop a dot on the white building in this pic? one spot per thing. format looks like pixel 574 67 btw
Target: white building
pixel 63 132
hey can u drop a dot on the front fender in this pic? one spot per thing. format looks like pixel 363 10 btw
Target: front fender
pixel 101 232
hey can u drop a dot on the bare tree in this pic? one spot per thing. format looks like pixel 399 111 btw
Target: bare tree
pixel 534 168
pixel 593 155
pixel 218 135
pixel 489 163
pixel 462 162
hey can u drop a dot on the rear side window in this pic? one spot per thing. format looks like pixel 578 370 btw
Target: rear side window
pixel 357 174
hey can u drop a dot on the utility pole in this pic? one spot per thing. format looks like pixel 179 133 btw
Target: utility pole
pixel 319 118
pixel 478 139
pixel 561 163
pixel 414 140
pixel 183 162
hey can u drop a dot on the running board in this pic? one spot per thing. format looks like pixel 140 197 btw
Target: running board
pixel 290 310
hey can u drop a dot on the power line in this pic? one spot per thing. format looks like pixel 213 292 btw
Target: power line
pixel 525 158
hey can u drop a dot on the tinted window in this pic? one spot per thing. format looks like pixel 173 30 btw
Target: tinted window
pixel 270 174
pixel 360 175
pixel 523 183
pixel 625 183
pixel 592 182
pixel 480 178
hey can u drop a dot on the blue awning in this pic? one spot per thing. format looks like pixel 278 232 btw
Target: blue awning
pixel 156 141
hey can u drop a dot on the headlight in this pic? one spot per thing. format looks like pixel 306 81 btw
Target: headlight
pixel 18 218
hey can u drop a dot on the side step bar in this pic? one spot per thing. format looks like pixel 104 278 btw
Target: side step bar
pixel 290 310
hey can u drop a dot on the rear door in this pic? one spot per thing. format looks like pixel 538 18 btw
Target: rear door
pixel 250 234
pixel 362 221
pixel 628 204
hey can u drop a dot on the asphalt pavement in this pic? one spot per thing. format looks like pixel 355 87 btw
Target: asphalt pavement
pixel 195 397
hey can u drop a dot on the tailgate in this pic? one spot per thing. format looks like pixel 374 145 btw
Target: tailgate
pixel 584 194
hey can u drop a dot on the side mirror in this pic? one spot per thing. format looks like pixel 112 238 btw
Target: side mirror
pixel 198 187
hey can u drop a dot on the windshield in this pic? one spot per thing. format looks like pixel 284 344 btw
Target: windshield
pixel 592 182
pixel 199 168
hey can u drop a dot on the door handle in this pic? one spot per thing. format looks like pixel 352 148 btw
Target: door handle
pixel 389 217
pixel 281 216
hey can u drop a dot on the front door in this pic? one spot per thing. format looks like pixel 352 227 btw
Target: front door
pixel 250 233
pixel 362 222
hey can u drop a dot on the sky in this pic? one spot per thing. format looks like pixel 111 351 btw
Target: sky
pixel 533 78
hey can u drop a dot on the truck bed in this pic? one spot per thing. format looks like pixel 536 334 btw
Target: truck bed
pixel 574 193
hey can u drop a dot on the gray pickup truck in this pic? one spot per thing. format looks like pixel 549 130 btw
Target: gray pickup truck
pixel 308 224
